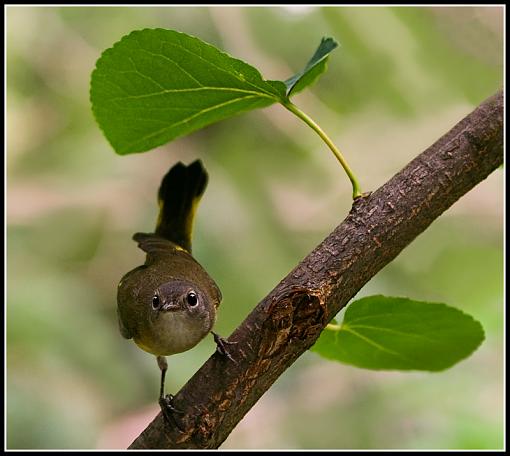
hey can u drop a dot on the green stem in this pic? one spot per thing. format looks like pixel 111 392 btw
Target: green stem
pixel 333 327
pixel 356 190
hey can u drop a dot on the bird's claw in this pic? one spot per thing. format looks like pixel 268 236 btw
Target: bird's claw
pixel 221 346
pixel 168 409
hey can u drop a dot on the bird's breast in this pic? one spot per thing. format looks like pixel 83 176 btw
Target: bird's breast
pixel 173 332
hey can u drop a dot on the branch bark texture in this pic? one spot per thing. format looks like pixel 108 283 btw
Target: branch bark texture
pixel 290 319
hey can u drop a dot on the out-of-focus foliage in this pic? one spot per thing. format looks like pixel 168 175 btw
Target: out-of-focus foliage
pixel 401 78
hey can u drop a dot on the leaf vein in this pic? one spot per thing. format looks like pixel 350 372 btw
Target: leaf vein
pixel 375 344
pixel 187 73
pixel 207 62
pixel 394 331
pixel 137 71
pixel 191 89
pixel 187 119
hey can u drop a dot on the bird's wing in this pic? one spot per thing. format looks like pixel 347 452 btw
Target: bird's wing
pixel 155 246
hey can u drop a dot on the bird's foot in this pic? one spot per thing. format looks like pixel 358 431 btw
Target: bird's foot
pixel 168 409
pixel 221 346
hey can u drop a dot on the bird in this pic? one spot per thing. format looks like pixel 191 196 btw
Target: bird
pixel 169 304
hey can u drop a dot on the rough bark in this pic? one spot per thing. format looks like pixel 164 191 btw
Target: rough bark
pixel 290 319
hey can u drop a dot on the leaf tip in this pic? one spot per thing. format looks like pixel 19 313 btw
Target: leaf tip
pixel 329 41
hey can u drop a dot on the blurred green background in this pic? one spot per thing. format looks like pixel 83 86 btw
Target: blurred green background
pixel 401 78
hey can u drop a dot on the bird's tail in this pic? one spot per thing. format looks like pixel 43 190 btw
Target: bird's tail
pixel 178 197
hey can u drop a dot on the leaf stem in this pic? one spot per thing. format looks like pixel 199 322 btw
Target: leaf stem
pixel 333 327
pixel 356 190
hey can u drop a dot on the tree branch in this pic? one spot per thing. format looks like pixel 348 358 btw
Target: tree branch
pixel 290 319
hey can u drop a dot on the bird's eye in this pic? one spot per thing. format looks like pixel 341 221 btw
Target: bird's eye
pixel 155 302
pixel 192 298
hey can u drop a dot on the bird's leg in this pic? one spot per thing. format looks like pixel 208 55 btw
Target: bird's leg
pixel 163 366
pixel 221 346
pixel 165 402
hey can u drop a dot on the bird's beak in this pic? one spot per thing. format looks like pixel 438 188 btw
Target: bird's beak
pixel 170 307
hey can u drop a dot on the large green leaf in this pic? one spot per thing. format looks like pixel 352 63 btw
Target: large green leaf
pixel 155 85
pixel 313 69
pixel 380 332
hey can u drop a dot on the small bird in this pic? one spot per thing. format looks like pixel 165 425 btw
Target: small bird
pixel 168 304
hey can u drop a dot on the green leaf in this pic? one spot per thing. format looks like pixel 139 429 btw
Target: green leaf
pixel 313 69
pixel 155 85
pixel 380 332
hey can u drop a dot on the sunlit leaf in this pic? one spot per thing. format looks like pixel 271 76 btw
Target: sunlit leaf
pixel 155 85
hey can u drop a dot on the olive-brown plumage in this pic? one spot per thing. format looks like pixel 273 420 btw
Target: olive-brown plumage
pixel 168 304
